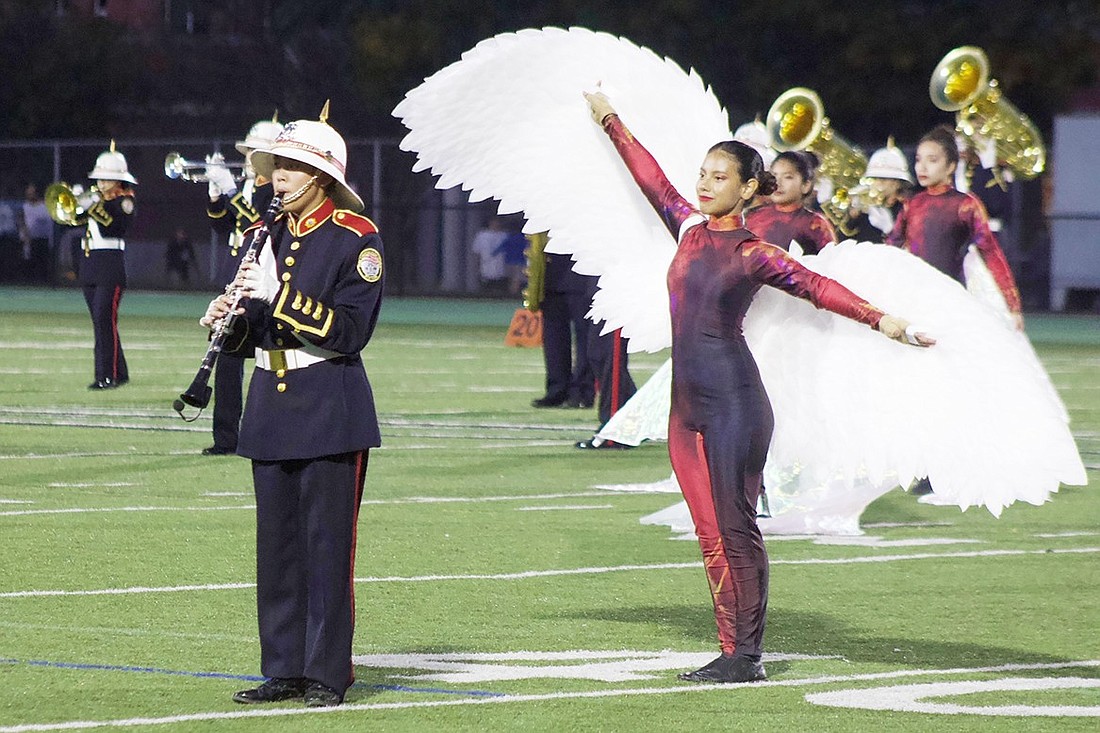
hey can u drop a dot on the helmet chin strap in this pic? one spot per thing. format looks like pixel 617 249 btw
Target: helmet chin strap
pixel 300 192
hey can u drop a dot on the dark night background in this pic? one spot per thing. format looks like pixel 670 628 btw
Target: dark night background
pixel 160 68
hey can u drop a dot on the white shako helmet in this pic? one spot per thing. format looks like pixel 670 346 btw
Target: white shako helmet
pixel 261 135
pixel 755 135
pixel 111 166
pixel 316 144
pixel 889 162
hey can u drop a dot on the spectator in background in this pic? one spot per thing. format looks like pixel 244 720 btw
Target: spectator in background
pixel 490 261
pixel 512 249
pixel 9 241
pixel 35 227
pixel 179 256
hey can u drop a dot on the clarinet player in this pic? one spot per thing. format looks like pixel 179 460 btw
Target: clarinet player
pixel 311 301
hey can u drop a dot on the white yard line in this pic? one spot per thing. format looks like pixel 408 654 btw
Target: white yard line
pixel 527 574
pixel 590 694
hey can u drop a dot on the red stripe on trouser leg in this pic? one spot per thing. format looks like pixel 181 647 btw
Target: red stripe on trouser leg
pixel 616 365
pixel 685 448
pixel 115 299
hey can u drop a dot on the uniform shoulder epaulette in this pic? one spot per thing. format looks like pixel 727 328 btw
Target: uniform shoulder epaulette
pixel 357 223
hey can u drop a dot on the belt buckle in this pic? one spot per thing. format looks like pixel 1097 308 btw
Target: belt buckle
pixel 277 359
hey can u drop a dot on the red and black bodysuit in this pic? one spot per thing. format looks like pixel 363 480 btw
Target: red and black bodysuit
pixel 720 423
pixel 782 223
pixel 940 223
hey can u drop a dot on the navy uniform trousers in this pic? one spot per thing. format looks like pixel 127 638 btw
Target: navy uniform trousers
pixel 317 498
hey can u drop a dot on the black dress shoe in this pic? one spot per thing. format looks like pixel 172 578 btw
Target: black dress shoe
pixel 274 690
pixel 106 383
pixel 727 669
pixel 548 402
pixel 319 695
pixel 122 380
pixel 922 487
pixel 217 450
pixel 596 443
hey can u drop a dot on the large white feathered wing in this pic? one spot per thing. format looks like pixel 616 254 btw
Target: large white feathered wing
pixel 508 121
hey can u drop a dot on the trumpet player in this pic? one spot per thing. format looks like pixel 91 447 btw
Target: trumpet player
pixel 231 213
pixel 107 213
pixel 312 299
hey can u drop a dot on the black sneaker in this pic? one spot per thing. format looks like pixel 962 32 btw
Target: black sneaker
pixel 319 695
pixel 274 690
pixel 727 669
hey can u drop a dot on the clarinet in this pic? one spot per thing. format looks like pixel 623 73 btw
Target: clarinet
pixel 198 394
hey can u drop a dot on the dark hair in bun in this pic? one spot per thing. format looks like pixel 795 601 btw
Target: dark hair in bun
pixel 803 162
pixel 749 164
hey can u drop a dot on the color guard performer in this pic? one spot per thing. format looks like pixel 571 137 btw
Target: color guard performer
pixel 231 213
pixel 103 268
pixel 312 303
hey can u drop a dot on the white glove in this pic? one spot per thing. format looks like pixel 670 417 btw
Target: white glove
pixel 881 219
pixel 257 283
pixel 825 190
pixel 220 181
pixel 987 151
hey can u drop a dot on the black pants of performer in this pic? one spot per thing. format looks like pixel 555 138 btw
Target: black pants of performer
pixel 228 388
pixel 718 451
pixel 563 324
pixel 608 359
pixel 110 361
pixel 306 515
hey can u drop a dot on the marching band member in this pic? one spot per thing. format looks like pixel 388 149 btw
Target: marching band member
pixel 721 420
pixel 231 213
pixel 940 223
pixel 312 301
pixel 103 269
pixel 786 218
pixel 889 184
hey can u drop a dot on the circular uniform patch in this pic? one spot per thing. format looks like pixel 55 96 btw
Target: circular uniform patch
pixel 127 205
pixel 370 265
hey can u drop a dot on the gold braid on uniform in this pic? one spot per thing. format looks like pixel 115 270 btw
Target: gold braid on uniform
pixel 302 313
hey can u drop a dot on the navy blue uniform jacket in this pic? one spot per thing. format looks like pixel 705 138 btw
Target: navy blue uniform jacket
pixel 107 266
pixel 236 214
pixel 329 262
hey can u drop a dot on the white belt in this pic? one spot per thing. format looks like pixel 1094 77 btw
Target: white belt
pixel 106 243
pixel 275 359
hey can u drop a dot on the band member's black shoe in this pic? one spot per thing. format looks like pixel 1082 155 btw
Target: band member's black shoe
pixel 595 443
pixel 274 690
pixel 105 383
pixel 217 450
pixel 322 696
pixel 548 402
pixel 922 487
pixel 727 669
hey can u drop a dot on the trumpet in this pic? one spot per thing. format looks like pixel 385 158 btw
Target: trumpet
pixel 960 83
pixel 797 121
pixel 198 394
pixel 65 203
pixel 176 166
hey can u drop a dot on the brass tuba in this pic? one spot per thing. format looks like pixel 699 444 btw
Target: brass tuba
pixel 64 203
pixel 960 83
pixel 797 121
pixel 536 271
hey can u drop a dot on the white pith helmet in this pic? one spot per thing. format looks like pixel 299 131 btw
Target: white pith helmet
pixel 316 144
pixel 889 162
pixel 261 135
pixel 755 135
pixel 111 166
